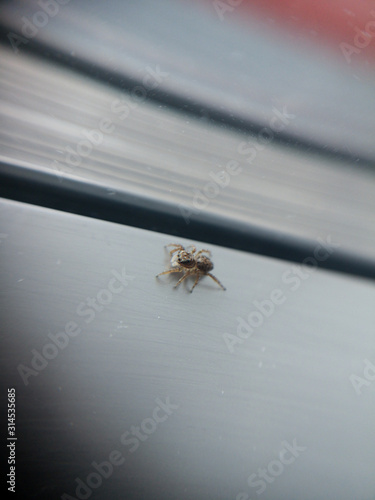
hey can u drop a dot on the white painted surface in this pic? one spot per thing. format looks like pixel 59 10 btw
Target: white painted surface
pixel 288 381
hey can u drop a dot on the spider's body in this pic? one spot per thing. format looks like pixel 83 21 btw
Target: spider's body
pixel 182 259
pixel 190 263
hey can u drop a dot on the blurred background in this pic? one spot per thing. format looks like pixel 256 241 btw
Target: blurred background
pixel 242 124
pixel 181 88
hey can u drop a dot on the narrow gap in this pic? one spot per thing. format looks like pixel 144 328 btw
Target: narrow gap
pixel 91 200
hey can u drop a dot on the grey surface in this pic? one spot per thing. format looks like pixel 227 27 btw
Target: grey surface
pixel 162 156
pixel 289 380
pixel 240 67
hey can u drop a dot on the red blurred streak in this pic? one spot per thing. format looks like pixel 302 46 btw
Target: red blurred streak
pixel 323 21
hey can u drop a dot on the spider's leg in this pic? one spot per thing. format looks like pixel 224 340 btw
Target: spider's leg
pixel 196 282
pixel 202 251
pixel 215 279
pixel 168 272
pixel 182 279
pixel 173 245
pixel 193 249
pixel 176 249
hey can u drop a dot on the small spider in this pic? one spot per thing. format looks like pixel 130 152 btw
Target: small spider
pixel 190 262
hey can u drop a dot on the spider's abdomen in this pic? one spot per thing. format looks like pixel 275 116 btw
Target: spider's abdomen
pixel 204 264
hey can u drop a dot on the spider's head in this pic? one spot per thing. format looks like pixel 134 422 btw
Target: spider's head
pixel 185 259
pixel 204 264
